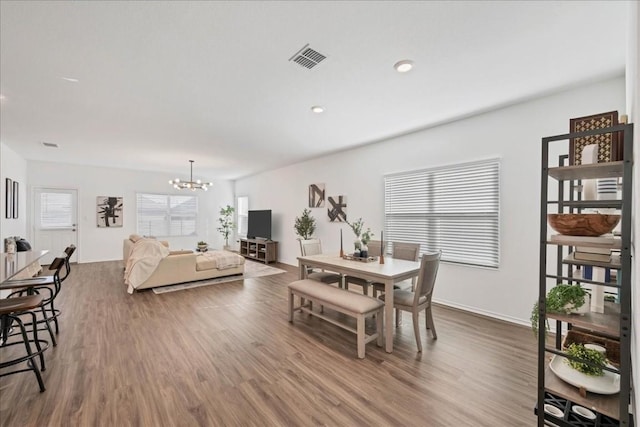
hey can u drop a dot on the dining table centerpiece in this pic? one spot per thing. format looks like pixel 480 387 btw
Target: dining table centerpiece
pixel 363 237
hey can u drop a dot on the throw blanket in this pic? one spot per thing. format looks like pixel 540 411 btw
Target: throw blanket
pixel 222 259
pixel 145 256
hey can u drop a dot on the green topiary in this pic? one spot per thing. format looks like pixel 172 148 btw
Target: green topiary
pixel 562 298
pixel 305 225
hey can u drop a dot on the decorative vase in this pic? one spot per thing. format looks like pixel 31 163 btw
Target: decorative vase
pixel 364 251
pixel 203 248
pixel 583 309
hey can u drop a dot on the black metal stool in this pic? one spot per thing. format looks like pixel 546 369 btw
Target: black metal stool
pixel 11 310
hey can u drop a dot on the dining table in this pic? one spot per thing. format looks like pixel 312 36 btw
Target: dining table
pixel 13 263
pixel 391 272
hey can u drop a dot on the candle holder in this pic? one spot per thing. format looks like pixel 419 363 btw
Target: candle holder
pixel 381 248
pixel 341 251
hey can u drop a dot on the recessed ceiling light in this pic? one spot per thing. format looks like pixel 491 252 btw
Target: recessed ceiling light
pixel 403 66
pixel 2 97
pixel 70 79
pixel 317 109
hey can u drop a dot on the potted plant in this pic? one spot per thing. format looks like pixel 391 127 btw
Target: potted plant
pixel 362 237
pixel 305 225
pixel 226 224
pixel 563 298
pixel 202 246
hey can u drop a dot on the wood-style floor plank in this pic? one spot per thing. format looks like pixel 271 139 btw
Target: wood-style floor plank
pixel 225 355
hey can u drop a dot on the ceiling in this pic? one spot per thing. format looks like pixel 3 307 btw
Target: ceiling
pixel 160 83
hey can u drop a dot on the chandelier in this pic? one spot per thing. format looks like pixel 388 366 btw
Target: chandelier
pixel 191 184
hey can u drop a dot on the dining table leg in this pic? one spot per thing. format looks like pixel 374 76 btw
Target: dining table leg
pixel 388 316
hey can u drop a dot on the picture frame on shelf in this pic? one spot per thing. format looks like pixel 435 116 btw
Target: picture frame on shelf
pixel 609 144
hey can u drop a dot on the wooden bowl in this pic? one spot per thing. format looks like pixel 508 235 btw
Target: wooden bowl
pixel 583 224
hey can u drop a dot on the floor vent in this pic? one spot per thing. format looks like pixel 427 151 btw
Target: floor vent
pixel 307 57
pixel 50 145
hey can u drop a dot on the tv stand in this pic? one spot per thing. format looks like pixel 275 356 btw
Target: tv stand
pixel 259 250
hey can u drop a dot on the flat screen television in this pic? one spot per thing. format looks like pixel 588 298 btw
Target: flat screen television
pixel 259 226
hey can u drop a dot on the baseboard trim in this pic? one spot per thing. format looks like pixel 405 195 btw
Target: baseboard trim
pixel 483 313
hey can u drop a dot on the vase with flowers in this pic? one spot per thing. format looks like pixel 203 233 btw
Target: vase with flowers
pixel 362 237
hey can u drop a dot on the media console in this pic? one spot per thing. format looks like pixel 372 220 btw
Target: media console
pixel 260 250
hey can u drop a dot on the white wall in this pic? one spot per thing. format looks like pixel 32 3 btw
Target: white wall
pixel 14 167
pixel 633 109
pixel 102 244
pixel 512 134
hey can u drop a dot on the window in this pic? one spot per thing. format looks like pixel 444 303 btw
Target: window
pixel 452 208
pixel 243 215
pixel 56 210
pixel 167 215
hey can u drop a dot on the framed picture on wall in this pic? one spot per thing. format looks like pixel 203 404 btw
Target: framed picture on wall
pixel 8 198
pixel 109 211
pixel 16 194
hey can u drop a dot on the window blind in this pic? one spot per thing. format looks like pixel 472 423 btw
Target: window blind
pixel 56 210
pixel 452 208
pixel 166 215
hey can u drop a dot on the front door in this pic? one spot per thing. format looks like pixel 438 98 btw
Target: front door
pixel 55 221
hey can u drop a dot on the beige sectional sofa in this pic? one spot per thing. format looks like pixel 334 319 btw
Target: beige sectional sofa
pixel 185 266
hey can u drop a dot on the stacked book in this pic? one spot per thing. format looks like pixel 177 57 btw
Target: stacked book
pixel 597 249
pixel 587 253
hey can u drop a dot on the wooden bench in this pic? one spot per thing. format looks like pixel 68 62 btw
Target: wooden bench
pixel 340 300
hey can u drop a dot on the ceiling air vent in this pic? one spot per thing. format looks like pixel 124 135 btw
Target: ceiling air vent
pixel 50 144
pixel 307 57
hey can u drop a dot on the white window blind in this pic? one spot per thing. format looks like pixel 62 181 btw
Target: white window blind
pixel 243 215
pixel 56 210
pixel 452 208
pixel 166 215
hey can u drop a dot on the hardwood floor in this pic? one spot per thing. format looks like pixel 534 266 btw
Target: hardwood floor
pixel 225 355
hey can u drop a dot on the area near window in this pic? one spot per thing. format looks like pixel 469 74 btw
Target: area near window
pixel 166 215
pixel 454 208
pixel 243 215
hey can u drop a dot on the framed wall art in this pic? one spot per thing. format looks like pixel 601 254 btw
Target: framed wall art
pixel 109 211
pixel 337 209
pixel 8 198
pixel 16 200
pixel 316 196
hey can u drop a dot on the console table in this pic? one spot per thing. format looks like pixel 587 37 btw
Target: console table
pixel 260 250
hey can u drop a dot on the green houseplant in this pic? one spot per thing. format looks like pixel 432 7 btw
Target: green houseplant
pixel 226 223
pixel 362 236
pixel 305 225
pixel 563 298
pixel 590 355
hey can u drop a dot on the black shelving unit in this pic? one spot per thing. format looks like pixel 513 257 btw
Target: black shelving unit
pixel 615 323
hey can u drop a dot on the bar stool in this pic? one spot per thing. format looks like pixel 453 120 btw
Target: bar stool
pixel 10 311
pixel 49 292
